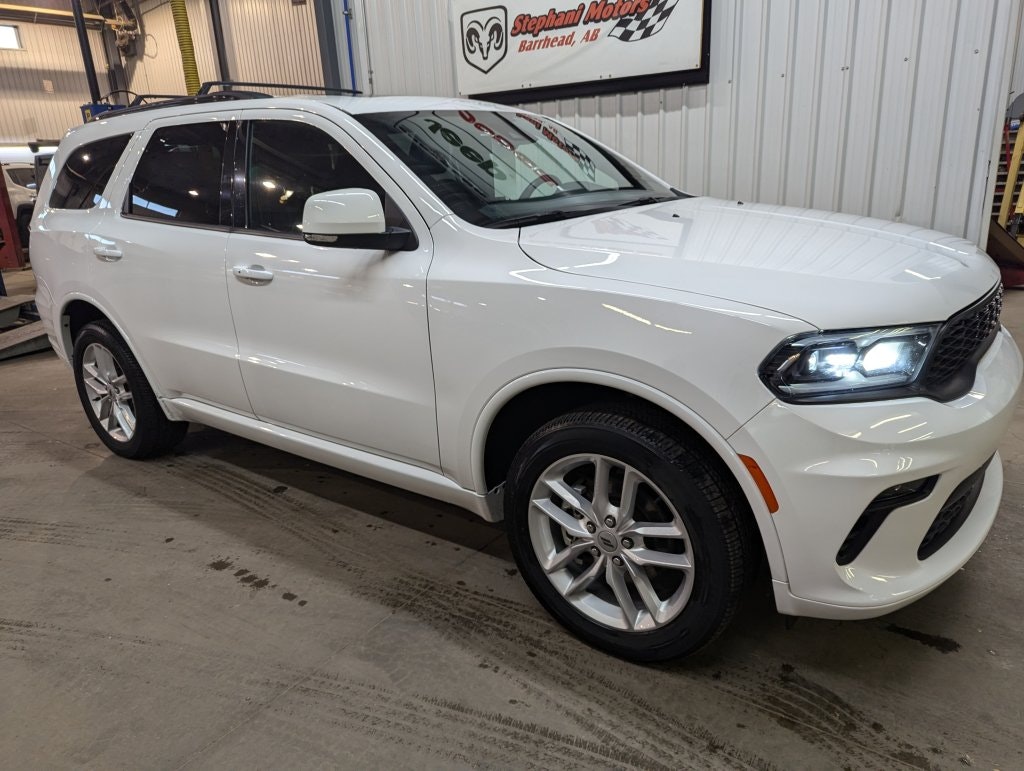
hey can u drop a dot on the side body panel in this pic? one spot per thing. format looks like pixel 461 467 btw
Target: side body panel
pixel 336 344
pixel 497 316
pixel 168 289
pixel 501 324
pixel 62 246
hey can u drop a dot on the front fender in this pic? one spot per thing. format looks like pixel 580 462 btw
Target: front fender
pixel 705 430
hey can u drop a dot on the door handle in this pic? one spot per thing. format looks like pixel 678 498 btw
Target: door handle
pixel 253 274
pixel 108 253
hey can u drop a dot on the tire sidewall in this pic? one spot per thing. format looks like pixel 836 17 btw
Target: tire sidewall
pixel 709 601
pixel 95 333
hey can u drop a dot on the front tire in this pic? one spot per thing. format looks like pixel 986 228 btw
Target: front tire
pixel 629 533
pixel 117 398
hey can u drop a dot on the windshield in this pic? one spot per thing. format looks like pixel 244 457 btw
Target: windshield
pixel 507 169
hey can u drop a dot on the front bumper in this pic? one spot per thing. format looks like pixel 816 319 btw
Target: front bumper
pixel 826 463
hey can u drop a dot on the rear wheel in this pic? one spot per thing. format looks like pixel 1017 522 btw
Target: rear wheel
pixel 628 533
pixel 117 398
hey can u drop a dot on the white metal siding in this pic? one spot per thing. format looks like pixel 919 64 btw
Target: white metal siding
pixel 272 41
pixel 1017 78
pixel 156 69
pixel 882 107
pixel 51 53
pixel 409 43
pixel 266 40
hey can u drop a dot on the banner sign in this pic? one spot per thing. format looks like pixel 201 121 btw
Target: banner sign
pixel 524 50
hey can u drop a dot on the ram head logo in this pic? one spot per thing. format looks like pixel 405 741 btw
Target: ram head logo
pixel 484 37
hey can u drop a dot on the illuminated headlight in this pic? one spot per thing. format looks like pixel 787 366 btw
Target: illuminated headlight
pixel 853 363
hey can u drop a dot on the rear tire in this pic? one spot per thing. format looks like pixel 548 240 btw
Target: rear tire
pixel 649 564
pixel 117 398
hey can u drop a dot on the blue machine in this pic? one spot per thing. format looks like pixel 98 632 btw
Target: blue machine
pixel 90 111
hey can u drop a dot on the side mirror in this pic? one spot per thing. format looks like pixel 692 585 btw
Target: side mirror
pixel 352 219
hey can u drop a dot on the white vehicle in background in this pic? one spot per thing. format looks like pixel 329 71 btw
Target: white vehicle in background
pixel 20 180
pixel 656 391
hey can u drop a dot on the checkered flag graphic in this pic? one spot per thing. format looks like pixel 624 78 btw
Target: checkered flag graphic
pixel 643 26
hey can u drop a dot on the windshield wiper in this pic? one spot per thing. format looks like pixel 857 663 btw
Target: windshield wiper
pixel 523 220
pixel 648 200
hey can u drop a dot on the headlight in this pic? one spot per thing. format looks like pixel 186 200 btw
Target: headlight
pixel 850 365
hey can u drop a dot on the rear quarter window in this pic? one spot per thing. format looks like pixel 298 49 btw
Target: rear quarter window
pixel 86 172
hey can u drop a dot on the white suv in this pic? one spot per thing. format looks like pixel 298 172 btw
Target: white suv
pixel 20 181
pixel 656 391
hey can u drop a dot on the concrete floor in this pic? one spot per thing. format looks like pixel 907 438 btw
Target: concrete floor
pixel 233 606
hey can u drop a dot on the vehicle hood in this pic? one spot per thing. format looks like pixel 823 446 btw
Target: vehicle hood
pixel 831 270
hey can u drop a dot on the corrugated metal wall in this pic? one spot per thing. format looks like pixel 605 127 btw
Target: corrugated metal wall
pixel 408 42
pixel 29 109
pixel 883 107
pixel 266 40
pixel 272 40
pixel 156 69
pixel 1017 78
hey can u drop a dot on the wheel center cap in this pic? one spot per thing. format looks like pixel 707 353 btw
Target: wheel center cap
pixel 608 540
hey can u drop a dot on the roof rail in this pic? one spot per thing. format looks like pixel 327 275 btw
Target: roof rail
pixel 139 104
pixel 229 84
pixel 228 92
pixel 141 99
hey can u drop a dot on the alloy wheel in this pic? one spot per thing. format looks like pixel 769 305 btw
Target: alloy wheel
pixel 611 543
pixel 108 392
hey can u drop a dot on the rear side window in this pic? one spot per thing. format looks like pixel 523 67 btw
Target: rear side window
pixel 178 178
pixel 86 172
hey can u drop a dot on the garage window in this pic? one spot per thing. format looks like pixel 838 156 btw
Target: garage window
pixel 9 37
pixel 86 172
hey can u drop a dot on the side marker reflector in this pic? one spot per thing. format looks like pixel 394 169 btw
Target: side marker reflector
pixel 762 483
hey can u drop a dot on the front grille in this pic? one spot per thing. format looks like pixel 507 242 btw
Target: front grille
pixel 953 514
pixel 962 342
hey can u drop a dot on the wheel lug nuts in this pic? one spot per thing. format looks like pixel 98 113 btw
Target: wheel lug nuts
pixel 591 527
pixel 627 542
pixel 617 561
pixel 595 551
pixel 610 521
